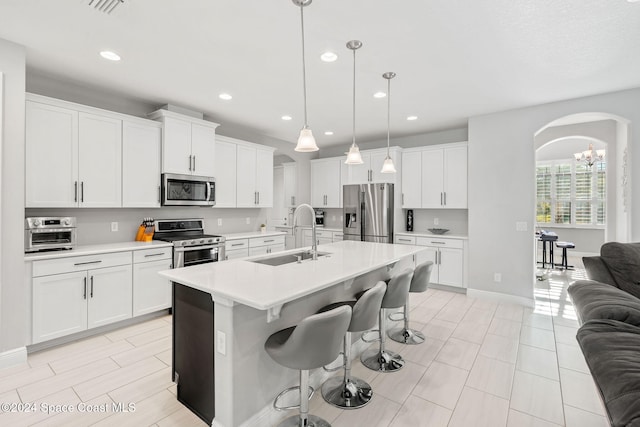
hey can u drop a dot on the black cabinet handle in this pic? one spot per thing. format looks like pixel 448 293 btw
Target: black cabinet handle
pixel 91 286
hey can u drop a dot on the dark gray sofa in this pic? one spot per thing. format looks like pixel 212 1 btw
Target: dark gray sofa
pixel 609 311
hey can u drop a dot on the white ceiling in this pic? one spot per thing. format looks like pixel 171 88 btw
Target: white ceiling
pixel 454 58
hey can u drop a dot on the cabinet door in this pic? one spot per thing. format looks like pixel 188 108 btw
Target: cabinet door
pixel 432 178
pixel 451 267
pixel 59 305
pixel 141 149
pixel 100 161
pixel 260 250
pixel 176 146
pixel 264 178
pixel 412 180
pixel 338 237
pixel 318 184
pixel 151 292
pixel 455 177
pixel 276 248
pixel 429 254
pixel 110 295
pixel 246 196
pixel 333 189
pixel 51 160
pixel 236 253
pixel 290 185
pixel 357 174
pixel 203 150
pixel 225 174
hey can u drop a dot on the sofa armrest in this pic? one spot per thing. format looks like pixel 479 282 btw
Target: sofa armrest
pixel 594 301
pixel 597 270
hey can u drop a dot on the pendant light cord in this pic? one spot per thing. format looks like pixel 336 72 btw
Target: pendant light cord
pixel 388 113
pixel 304 70
pixel 354 97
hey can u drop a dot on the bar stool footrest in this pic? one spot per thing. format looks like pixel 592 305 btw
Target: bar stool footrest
pixel 368 340
pixel 288 390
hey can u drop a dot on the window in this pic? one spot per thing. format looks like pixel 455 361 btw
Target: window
pixel 570 194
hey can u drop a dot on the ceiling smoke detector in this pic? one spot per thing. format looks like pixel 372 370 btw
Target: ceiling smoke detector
pixel 105 6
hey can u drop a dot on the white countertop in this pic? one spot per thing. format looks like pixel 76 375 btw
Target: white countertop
pixel 428 234
pixel 266 287
pixel 96 249
pixel 250 234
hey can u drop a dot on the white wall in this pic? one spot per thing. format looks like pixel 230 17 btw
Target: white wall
pixel 502 189
pixel 13 301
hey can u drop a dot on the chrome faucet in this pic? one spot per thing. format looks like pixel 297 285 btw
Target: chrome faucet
pixel 314 245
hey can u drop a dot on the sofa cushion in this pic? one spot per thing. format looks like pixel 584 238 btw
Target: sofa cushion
pixel 623 261
pixel 597 270
pixel 610 349
pixel 595 300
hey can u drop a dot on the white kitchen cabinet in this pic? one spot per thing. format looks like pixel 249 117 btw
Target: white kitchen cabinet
pixel 455 177
pixel 141 162
pixel 369 170
pixel 151 292
pixel 236 248
pixel 266 245
pixel 225 163
pixel 412 180
pixel 290 172
pixel 432 179
pixel 326 187
pixel 188 144
pixel 322 237
pixel 254 178
pixel 69 296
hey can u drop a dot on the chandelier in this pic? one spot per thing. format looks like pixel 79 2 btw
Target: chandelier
pixel 590 157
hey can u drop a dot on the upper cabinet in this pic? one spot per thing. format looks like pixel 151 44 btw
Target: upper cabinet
pixel 326 188
pixel 290 172
pixel 435 177
pixel 369 170
pixel 188 144
pixel 141 159
pixel 225 164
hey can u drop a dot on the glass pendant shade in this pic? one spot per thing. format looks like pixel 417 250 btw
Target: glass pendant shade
pixel 387 166
pixel 306 141
pixel 353 156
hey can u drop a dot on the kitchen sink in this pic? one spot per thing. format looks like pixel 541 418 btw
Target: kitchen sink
pixel 287 258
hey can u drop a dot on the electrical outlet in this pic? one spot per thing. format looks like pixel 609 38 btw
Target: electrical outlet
pixel 221 342
pixel 497 277
pixel 248 220
pixel 436 221
pixel 114 226
pixel 219 222
pixel 333 218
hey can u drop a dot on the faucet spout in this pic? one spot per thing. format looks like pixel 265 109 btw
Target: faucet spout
pixel 314 244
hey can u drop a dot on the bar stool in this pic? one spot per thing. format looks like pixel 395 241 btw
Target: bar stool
pixel 564 246
pixel 311 344
pixel 346 391
pixel 381 359
pixel 419 283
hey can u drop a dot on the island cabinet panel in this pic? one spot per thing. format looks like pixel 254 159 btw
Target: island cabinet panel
pixel 193 350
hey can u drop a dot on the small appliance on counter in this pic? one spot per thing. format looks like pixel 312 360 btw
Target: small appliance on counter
pixel 49 233
pixel 319 217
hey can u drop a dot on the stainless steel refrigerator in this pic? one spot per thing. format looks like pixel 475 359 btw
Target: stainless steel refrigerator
pixel 368 212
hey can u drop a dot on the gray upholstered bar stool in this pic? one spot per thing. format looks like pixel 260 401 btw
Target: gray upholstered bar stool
pixel 419 283
pixel 346 391
pixel 381 359
pixel 311 344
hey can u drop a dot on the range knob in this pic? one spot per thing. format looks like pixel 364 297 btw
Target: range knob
pixel 66 221
pixel 210 241
pixel 201 241
pixel 193 242
pixel 36 222
pixel 183 243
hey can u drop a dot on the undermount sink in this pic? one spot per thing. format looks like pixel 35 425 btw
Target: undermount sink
pixel 287 258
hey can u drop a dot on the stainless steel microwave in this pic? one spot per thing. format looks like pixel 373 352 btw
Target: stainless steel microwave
pixel 188 190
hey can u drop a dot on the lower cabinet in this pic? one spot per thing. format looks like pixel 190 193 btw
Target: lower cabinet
pixel 151 292
pixel 322 237
pixel 234 249
pixel 266 245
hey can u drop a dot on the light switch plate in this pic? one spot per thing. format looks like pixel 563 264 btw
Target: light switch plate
pixel 219 222
pixel 248 220
pixel 114 226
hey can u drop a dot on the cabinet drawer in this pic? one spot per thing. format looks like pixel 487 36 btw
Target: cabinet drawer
pixel 263 241
pixel 230 245
pixel 80 263
pixel 439 242
pixel 147 255
pixel 337 236
pixel 236 253
pixel 405 240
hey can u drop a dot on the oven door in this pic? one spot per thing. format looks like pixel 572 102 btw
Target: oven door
pixel 194 255
pixel 188 190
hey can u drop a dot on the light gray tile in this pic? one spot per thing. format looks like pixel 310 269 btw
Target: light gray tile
pixel 147 411
pixel 570 357
pixel 505 328
pixel 143 387
pixel 458 353
pixel 89 355
pixel 25 377
pixel 535 337
pixel 537 320
pixel 439 329
pixel 417 412
pixel 181 418
pixel 378 413
pixel 538 361
pixel 145 351
pixel 579 391
pixel 422 354
pixel 56 353
pixel 85 414
pixel 578 418
pixel 471 331
pixel 500 348
pixel 41 410
pixel 492 376
pixel 396 386
pixel 537 396
pixel 519 419
pixel 566 335
pixel 478 316
pixel 511 312
pixel 441 384
pixel 479 409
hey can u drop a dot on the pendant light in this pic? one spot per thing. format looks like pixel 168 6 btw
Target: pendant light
pixel 306 141
pixel 387 166
pixel 353 156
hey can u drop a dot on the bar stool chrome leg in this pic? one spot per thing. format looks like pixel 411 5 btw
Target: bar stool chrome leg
pixel 405 334
pixel 347 392
pixel 381 359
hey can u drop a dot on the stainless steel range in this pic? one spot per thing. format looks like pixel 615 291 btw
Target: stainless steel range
pixel 191 246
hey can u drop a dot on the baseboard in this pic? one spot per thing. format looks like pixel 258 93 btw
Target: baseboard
pixel 579 254
pixel 500 297
pixel 13 357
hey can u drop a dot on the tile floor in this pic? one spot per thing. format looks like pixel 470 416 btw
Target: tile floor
pixel 483 364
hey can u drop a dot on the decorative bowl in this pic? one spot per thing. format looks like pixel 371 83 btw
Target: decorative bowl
pixel 438 230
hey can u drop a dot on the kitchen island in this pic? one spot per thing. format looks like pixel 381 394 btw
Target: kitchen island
pixel 224 312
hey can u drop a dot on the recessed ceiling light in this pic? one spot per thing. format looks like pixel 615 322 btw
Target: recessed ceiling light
pixel 225 96
pixel 328 56
pixel 328 133
pixel 111 56
pixel 379 95
pixel 287 118
pixel 411 118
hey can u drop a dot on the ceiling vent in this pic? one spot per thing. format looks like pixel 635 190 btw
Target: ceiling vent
pixel 105 6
